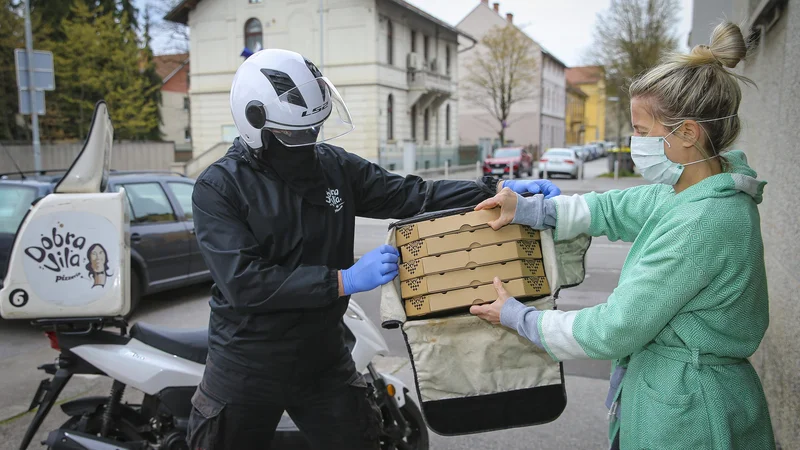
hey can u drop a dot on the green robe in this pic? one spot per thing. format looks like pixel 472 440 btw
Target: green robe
pixel 690 308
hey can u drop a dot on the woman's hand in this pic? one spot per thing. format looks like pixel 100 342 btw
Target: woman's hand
pixel 507 201
pixel 491 311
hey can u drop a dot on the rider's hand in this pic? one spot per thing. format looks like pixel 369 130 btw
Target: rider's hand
pixel 374 269
pixel 507 201
pixel 533 186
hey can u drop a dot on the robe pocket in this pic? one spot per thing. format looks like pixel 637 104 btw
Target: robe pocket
pixel 670 421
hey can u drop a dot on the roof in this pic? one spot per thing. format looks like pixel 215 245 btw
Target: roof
pixel 180 14
pixel 168 65
pixel 576 90
pixel 585 74
pixel 552 56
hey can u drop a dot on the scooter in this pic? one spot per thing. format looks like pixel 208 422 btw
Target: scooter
pixel 167 365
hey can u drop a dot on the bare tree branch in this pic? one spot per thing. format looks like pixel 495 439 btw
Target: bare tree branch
pixel 630 38
pixel 502 73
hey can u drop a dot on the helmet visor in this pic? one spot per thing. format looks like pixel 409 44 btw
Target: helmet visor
pixel 310 113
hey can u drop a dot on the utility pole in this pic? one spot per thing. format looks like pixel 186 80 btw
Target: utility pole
pixel 322 52
pixel 37 151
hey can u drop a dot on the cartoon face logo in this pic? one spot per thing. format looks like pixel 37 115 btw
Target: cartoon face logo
pixel 97 265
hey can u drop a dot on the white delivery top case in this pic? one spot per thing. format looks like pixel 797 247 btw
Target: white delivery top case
pixel 71 253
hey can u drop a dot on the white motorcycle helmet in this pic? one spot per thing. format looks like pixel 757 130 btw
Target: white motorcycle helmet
pixel 284 93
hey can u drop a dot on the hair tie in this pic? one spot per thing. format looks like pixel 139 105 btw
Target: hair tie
pixel 712 54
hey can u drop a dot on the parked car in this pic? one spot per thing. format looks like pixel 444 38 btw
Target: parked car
pixel 594 151
pixel 561 161
pixel 517 157
pixel 164 251
pixel 581 151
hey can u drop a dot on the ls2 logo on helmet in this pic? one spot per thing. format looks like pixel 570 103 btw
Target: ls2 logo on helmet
pixel 315 110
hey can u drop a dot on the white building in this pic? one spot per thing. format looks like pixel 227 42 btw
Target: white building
pixel 395 66
pixel 538 122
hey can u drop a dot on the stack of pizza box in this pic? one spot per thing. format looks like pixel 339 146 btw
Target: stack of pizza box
pixel 449 263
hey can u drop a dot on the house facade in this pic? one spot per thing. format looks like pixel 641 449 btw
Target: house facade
pixel 537 122
pixel 576 115
pixel 592 81
pixel 175 106
pixel 395 66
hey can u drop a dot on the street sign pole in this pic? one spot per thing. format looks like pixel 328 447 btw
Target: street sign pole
pixel 37 151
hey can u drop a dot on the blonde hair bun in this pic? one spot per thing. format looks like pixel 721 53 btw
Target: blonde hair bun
pixel 727 48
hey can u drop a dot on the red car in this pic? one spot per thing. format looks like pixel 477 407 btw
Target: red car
pixel 505 158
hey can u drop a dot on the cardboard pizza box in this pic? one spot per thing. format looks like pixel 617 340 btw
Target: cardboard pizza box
pixel 464 298
pixel 482 237
pixel 438 226
pixel 466 259
pixel 476 276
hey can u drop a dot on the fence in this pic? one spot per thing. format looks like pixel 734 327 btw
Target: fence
pixel 124 156
pixel 392 157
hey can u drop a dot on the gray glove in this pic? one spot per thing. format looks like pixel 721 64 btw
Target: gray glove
pixel 536 212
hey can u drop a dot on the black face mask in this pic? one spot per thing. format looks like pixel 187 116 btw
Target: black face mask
pixel 298 167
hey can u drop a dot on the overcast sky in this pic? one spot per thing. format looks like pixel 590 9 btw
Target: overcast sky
pixel 563 27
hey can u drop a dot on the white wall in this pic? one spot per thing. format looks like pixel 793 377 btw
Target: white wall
pixel 554 103
pixel 175 119
pixel 355 59
pixel 476 122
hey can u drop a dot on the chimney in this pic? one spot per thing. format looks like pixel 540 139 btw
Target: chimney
pixel 497 8
pixel 485 2
pixel 510 17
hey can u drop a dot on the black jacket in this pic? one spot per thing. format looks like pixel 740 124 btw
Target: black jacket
pixel 274 253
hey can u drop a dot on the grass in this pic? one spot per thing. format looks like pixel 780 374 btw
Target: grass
pixel 622 174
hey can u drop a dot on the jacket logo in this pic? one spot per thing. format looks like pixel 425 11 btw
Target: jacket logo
pixel 333 199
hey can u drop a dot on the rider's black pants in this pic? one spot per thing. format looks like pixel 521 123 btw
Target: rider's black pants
pixel 332 412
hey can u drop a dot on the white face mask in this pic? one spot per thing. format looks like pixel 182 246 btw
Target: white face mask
pixel 649 155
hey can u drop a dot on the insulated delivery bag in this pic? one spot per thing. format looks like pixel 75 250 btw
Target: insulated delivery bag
pixel 473 376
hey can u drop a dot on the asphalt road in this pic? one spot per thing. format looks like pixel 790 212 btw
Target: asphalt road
pixel 23 348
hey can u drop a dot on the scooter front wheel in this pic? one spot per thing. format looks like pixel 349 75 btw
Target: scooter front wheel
pixel 417 438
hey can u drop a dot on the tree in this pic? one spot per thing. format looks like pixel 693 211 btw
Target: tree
pixel 12 36
pixel 173 37
pixel 630 38
pixel 502 73
pixel 150 74
pixel 100 58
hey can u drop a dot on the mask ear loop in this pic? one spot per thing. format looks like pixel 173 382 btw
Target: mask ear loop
pixel 716 155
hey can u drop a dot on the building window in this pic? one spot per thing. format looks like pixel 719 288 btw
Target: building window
pixel 187 135
pixel 389 43
pixel 413 41
pixel 414 122
pixel 425 42
pixel 253 37
pixel 447 123
pixel 185 103
pixel 390 118
pixel 447 60
pixel 426 125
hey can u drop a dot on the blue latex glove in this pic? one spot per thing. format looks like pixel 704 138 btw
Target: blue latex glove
pixel 374 269
pixel 533 186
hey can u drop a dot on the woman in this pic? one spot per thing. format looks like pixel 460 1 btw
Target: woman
pixel 691 305
pixel 97 265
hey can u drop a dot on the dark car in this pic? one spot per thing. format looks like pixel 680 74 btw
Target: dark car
pixel 164 251
pixel 504 159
